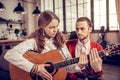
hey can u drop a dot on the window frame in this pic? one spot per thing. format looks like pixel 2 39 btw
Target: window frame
pixel 91 15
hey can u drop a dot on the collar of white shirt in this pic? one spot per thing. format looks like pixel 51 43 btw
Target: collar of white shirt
pixel 49 45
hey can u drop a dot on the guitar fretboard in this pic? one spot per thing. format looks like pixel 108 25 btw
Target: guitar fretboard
pixel 111 49
pixel 72 61
pixel 66 63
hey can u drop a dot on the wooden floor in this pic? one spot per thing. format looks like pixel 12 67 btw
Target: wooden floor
pixel 111 72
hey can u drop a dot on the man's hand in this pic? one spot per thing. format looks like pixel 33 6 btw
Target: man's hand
pixel 83 60
pixel 95 60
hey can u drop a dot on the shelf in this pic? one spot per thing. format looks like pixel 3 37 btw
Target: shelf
pixel 14 22
pixel 17 22
pixel 4 21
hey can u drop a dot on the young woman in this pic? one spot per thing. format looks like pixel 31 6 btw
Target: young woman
pixel 47 37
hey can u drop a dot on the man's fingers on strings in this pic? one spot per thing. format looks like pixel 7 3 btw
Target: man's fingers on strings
pixel 97 58
pixel 91 55
pixel 97 54
pixel 83 58
pixel 94 54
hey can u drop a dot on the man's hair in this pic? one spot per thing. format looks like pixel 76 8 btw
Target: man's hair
pixel 85 19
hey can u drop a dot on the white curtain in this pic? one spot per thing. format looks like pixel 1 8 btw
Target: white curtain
pixel 118 16
pixel 118 11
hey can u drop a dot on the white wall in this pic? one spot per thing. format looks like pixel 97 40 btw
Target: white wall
pixel 30 20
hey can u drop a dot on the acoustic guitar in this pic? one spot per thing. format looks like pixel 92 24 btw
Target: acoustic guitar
pixel 55 59
pixel 101 40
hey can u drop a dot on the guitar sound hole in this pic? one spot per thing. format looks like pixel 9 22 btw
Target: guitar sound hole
pixel 50 68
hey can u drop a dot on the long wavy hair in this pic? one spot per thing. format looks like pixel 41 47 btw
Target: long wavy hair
pixel 45 18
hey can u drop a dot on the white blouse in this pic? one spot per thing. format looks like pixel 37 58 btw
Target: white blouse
pixel 15 55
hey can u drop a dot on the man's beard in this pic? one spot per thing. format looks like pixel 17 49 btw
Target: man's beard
pixel 82 39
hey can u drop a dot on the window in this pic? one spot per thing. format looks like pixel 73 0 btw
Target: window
pixel 47 5
pixel 101 12
pixel 54 6
pixel 59 12
pixel 84 8
pixel 112 16
pixel 70 15
pixel 105 15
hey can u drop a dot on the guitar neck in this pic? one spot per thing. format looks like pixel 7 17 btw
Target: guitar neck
pixel 72 61
pixel 112 49
pixel 66 63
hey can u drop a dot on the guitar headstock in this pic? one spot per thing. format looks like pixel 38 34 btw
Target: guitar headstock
pixel 112 49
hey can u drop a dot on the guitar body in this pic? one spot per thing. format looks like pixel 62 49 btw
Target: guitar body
pixel 52 56
pixel 55 58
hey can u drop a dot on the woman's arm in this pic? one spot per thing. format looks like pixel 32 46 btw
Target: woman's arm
pixel 15 55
